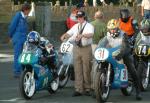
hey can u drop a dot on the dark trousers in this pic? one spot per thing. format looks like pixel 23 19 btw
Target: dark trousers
pixel 128 60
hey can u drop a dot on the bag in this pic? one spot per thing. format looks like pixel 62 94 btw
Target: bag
pixel 79 43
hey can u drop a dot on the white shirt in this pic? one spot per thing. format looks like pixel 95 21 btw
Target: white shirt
pixel 23 15
pixel 146 4
pixel 87 29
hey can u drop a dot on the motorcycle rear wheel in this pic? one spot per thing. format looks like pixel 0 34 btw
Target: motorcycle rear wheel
pixel 144 82
pixel 128 90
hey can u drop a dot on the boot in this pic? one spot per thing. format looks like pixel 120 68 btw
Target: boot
pixel 138 95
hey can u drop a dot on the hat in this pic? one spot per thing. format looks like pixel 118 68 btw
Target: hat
pixel 80 14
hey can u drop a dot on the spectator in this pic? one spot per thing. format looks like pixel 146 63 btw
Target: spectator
pixel 18 31
pixel 82 34
pixel 99 31
pixel 99 27
pixel 95 2
pixel 71 20
pixel 145 9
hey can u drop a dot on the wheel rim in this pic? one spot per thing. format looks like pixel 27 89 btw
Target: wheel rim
pixel 55 84
pixel 29 84
pixel 105 90
pixel 145 83
pixel 130 87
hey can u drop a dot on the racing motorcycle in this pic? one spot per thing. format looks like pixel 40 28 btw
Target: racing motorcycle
pixel 65 70
pixel 111 74
pixel 142 53
pixel 35 76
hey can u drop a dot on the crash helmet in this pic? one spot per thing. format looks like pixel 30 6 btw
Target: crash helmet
pixel 113 27
pixel 145 27
pixel 124 15
pixel 33 37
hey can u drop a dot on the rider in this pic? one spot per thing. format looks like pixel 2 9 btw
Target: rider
pixel 116 37
pixel 48 56
pixel 144 35
pixel 128 25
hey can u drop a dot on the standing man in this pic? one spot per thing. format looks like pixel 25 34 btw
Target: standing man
pixel 18 30
pixel 99 28
pixel 99 31
pixel 145 9
pixel 81 33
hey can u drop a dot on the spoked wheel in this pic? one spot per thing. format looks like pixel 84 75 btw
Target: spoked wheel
pixel 129 89
pixel 101 90
pixel 142 73
pixel 27 84
pixel 54 86
pixel 63 75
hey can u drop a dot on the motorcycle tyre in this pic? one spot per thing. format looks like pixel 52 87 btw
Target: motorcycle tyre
pixel 21 85
pixel 64 80
pixel 98 91
pixel 55 83
pixel 125 91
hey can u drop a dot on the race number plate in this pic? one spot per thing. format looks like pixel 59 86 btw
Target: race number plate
pixel 66 47
pixel 25 58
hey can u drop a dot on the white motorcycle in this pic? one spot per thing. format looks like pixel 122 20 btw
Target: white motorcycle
pixel 66 63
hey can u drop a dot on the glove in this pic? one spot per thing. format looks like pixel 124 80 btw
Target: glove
pixel 118 57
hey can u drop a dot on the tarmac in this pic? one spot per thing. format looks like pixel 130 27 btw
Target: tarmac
pixel 6 47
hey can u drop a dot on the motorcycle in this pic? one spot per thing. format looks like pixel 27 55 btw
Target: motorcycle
pixel 65 70
pixel 35 76
pixel 111 74
pixel 142 53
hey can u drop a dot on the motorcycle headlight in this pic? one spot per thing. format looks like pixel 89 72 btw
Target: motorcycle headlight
pixel 101 54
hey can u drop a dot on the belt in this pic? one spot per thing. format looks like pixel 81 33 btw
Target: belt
pixel 83 46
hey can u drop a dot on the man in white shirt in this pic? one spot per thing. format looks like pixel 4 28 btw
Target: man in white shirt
pixel 81 34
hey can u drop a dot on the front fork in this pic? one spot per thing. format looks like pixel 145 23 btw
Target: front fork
pixel 108 75
pixel 66 71
pixel 147 71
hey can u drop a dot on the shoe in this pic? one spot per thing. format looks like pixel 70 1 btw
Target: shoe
pixel 76 94
pixel 138 96
pixel 87 93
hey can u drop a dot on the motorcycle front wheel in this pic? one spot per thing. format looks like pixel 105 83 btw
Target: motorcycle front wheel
pixel 27 84
pixel 101 90
pixel 53 87
pixel 63 75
